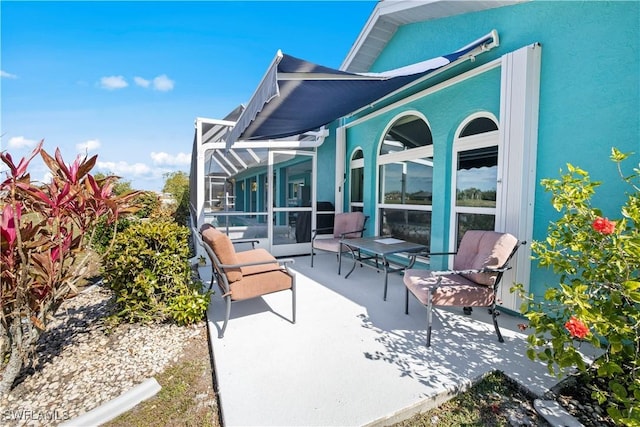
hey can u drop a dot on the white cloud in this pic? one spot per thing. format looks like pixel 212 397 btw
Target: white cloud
pixel 163 83
pixel 141 82
pixel 21 142
pixel 88 145
pixel 124 169
pixel 163 158
pixel 6 75
pixel 113 82
pixel 47 178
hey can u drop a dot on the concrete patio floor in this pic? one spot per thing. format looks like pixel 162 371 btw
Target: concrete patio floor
pixel 353 359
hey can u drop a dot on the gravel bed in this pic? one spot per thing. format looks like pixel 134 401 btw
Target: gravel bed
pixel 82 364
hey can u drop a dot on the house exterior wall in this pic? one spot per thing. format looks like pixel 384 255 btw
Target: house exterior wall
pixel 444 110
pixel 589 98
pixel 326 167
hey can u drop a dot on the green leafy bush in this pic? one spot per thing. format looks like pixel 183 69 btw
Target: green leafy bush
pixel 177 184
pixel 149 272
pixel 147 202
pixel 597 301
pixel 146 205
pixel 101 236
pixel 189 307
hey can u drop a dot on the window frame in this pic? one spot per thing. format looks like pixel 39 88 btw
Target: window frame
pixel 356 164
pixel 396 157
pixel 468 143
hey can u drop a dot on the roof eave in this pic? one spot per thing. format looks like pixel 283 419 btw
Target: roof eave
pixel 388 15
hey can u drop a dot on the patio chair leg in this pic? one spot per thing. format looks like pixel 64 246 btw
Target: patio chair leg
pixel 293 302
pixel 226 317
pixel 429 318
pixel 386 281
pixel 406 300
pixel 312 255
pixel 495 313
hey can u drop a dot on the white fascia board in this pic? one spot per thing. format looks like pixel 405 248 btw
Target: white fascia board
pixel 319 136
pixel 264 144
pixel 362 37
pixel 429 10
pixel 214 121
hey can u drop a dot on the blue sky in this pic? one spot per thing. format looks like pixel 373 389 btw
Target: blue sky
pixel 126 80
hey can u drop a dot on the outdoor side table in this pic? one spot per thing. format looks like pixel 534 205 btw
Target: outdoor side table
pixel 374 252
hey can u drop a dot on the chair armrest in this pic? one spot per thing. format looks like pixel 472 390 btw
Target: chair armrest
pixel 428 254
pixel 252 241
pixel 314 233
pixel 350 232
pixel 470 271
pixel 247 264
pixel 315 230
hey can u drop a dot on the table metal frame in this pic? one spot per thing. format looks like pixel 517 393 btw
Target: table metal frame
pixel 374 249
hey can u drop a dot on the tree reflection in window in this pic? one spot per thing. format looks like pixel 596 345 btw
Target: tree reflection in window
pixel 405 165
pixel 476 178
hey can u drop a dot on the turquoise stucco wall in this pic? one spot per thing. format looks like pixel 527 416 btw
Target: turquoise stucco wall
pixel 589 95
pixel 326 160
pixel 444 110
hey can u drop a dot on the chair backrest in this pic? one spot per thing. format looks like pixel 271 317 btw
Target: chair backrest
pixel 484 249
pixel 222 250
pixel 349 222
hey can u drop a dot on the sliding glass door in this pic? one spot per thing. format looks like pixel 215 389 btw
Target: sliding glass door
pixel 291 190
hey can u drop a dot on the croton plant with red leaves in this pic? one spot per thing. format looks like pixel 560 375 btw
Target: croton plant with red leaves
pixel 43 230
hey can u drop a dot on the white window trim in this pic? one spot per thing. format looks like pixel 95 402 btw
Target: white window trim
pixel 355 164
pixel 396 157
pixel 472 142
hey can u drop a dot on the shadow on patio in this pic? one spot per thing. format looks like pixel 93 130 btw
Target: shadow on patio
pixel 353 359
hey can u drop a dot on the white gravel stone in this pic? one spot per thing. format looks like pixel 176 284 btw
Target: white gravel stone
pixel 82 364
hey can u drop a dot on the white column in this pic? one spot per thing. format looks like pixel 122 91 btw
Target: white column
pixel 519 104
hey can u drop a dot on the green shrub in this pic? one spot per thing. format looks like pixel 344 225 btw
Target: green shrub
pixel 145 204
pixel 148 203
pixel 149 272
pixel 189 307
pixel 597 261
pixel 102 235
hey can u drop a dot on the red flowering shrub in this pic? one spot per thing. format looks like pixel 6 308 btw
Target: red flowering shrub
pixel 597 264
pixel 43 230
pixel 576 328
pixel 603 225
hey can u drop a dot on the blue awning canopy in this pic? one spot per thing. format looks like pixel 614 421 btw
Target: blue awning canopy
pixel 297 96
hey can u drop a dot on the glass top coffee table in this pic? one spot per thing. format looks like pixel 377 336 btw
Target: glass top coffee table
pixel 375 252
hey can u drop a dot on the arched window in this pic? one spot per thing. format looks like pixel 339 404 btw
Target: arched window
pixel 357 181
pixel 405 184
pixel 475 177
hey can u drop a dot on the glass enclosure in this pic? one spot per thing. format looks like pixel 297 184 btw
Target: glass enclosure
pixel 292 192
pixel 244 184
